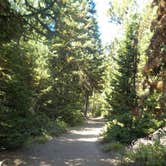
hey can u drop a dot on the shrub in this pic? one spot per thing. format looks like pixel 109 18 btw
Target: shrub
pixel 140 127
pixel 147 155
pixel 97 113
pixel 146 125
pixel 17 128
pixel 13 128
pixel 56 127
pixel 117 132
pixel 72 117
pixel 115 147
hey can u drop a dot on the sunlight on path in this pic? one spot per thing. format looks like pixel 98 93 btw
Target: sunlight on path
pixel 79 147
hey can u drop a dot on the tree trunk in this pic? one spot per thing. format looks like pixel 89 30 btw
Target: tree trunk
pixel 163 98
pixel 86 104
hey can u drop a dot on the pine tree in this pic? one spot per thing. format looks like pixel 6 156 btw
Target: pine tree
pixel 123 98
pixel 94 69
pixel 76 66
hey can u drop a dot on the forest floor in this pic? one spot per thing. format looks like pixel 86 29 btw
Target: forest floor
pixel 79 147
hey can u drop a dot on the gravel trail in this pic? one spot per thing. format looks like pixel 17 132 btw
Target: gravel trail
pixel 79 147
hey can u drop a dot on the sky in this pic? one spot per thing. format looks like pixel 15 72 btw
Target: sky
pixel 107 29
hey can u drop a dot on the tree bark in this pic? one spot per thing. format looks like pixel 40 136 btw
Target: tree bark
pixel 86 104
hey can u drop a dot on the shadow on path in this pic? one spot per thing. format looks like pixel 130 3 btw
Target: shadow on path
pixel 79 147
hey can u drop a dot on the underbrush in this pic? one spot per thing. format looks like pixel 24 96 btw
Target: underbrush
pixel 72 117
pixel 114 147
pixel 19 128
pixel 141 127
pixel 117 133
pixel 22 128
pixel 117 138
pixel 146 155
pixel 52 129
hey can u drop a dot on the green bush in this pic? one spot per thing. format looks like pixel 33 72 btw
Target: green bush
pixel 114 147
pixel 146 125
pixel 16 127
pixel 44 126
pixel 13 128
pixel 45 129
pixel 140 127
pixel 97 113
pixel 147 155
pixel 48 131
pixel 117 132
pixel 72 117
pixel 56 127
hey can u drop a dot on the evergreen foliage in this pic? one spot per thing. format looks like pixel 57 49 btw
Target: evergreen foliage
pixel 135 101
pixel 50 64
pixel 123 97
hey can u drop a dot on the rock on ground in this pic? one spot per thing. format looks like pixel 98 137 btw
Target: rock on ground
pixel 159 135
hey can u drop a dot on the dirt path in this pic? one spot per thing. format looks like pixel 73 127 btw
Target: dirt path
pixel 79 147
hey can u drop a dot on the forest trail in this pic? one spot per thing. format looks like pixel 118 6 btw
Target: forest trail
pixel 79 147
